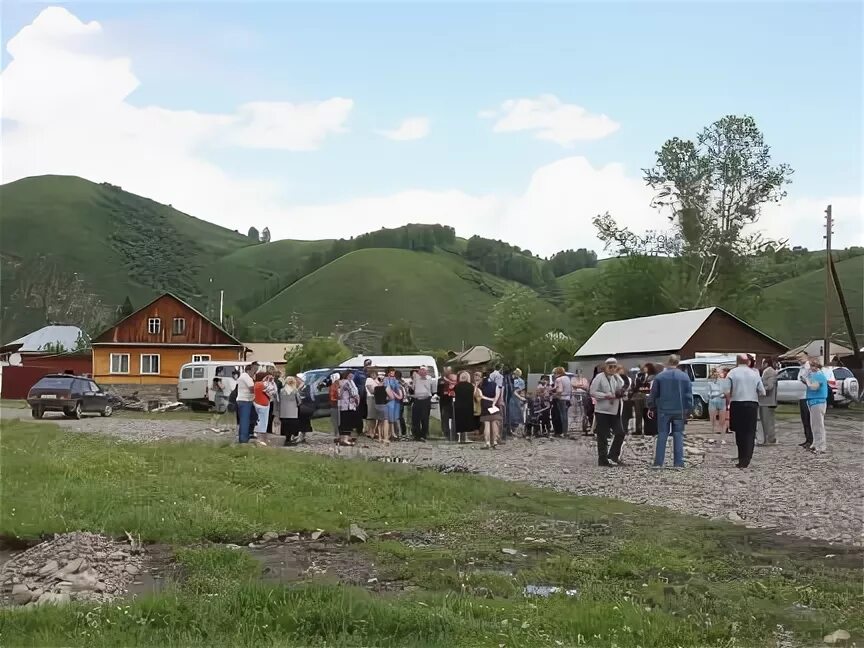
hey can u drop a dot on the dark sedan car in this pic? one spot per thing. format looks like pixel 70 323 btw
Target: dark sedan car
pixel 72 395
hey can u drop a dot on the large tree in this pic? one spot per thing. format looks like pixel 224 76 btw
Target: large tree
pixel 712 191
pixel 316 353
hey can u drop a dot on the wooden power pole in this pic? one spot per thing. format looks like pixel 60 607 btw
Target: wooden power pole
pixel 826 349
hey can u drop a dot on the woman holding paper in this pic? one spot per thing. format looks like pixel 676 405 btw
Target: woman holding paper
pixel 490 411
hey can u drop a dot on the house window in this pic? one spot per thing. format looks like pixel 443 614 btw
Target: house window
pixel 179 326
pixel 154 325
pixel 149 363
pixel 201 358
pixel 119 363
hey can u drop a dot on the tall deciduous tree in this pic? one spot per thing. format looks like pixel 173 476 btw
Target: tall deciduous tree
pixel 315 353
pixel 713 191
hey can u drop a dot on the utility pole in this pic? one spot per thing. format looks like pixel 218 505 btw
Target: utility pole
pixel 826 349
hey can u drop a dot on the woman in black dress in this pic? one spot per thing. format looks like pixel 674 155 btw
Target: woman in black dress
pixel 463 407
pixel 649 425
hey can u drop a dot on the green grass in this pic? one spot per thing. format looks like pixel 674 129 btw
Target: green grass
pixel 446 301
pixel 646 577
pixel 793 309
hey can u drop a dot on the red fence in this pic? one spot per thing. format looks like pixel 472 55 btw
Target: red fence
pixel 17 381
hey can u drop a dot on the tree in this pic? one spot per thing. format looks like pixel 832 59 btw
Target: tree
pixel 315 353
pixel 399 339
pixel 519 339
pixel 713 191
pixel 265 235
pixel 253 234
pixel 633 286
pixel 126 309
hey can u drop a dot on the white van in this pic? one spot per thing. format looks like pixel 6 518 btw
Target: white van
pixel 407 364
pixel 194 387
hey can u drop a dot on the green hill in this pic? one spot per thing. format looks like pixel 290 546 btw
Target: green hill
pixel 446 301
pixel 793 309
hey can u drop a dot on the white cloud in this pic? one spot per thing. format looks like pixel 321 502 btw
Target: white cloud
pixel 412 128
pixel 293 127
pixel 69 114
pixel 550 119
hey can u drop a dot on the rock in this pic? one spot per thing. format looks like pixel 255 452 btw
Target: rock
pixel 372 581
pixel 270 536
pixel 21 594
pixel 732 516
pixel 836 636
pixel 83 582
pixel 118 555
pixel 566 471
pixel 132 569
pixel 356 534
pixel 72 566
pixel 53 598
pixel 316 534
pixel 508 551
pixel 49 568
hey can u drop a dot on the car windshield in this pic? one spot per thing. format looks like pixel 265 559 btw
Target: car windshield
pixel 53 383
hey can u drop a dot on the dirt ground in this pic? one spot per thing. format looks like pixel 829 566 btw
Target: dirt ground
pixel 785 489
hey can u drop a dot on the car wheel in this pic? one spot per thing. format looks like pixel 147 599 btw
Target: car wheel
pixel 36 412
pixel 77 412
pixel 107 411
pixel 699 409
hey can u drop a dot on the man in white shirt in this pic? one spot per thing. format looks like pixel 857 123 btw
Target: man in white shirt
pixel 245 398
pixel 424 389
pixel 561 394
pixel 497 377
pixel 745 388
pixel 803 408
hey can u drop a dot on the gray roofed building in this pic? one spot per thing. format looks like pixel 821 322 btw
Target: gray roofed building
pixel 45 338
pixel 686 333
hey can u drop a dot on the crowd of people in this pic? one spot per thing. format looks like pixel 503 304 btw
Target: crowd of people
pixel 656 401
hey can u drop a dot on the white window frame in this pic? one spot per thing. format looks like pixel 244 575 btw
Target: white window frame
pixel 182 327
pixel 204 357
pixel 158 364
pixel 111 363
pixel 154 325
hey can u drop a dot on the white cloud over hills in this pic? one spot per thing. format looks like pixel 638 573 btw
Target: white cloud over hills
pixel 67 112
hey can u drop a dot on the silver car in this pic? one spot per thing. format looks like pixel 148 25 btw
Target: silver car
pixel 844 385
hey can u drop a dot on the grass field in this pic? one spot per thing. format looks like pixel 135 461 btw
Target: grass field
pixel 645 577
pixel 793 309
pixel 446 301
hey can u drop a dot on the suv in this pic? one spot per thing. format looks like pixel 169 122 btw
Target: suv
pixel 72 395
pixel 699 370
pixel 844 386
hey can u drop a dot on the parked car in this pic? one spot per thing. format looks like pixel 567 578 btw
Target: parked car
pixel 844 386
pixel 194 386
pixel 72 395
pixel 317 383
pixel 699 370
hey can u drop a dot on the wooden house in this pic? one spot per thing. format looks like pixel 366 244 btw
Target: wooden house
pixel 147 348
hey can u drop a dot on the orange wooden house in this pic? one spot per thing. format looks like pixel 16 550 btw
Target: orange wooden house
pixel 148 347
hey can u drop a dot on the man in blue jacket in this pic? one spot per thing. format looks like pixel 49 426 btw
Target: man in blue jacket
pixel 671 400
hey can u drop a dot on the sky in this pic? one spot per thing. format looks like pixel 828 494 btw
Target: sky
pixel 509 120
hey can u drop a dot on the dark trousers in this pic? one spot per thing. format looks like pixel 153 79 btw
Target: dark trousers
pixel 805 420
pixel 638 413
pixel 447 420
pixel 403 429
pixel 742 421
pixel 420 418
pixel 607 424
pixel 270 419
pixel 649 425
pixel 627 410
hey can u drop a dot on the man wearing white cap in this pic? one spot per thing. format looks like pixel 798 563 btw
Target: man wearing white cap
pixel 607 389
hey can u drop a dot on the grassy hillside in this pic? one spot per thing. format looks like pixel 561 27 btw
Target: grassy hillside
pixel 123 245
pixel 793 310
pixel 446 301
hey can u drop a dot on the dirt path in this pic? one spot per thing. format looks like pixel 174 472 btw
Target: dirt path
pixel 786 488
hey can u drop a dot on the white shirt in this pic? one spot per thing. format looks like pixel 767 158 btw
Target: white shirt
pixel 563 388
pixel 227 385
pixel 497 377
pixel 746 384
pixel 804 372
pixel 245 388
pixel 371 383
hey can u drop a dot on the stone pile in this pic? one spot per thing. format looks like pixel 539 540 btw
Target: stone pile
pixel 71 566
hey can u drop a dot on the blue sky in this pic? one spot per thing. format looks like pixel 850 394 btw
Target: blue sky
pixel 656 69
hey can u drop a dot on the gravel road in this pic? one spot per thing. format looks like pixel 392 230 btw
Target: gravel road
pixel 786 488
